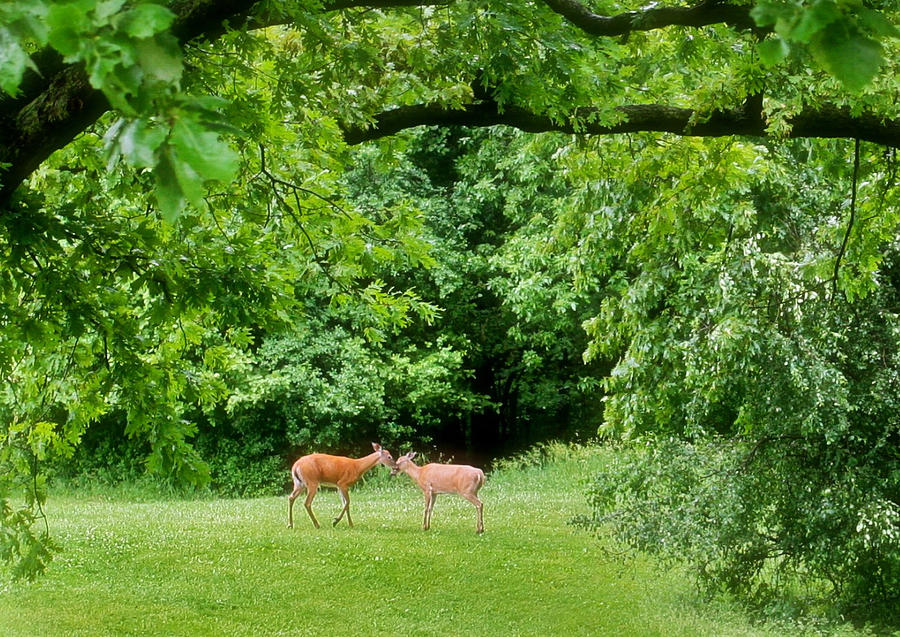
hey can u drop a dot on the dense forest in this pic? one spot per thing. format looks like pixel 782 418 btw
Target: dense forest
pixel 493 364
pixel 233 233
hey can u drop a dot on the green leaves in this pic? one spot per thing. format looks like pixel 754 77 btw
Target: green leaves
pixel 129 56
pixel 203 151
pixel 170 198
pixel 126 50
pixel 13 62
pixel 139 140
pixel 160 60
pixel 185 158
pixel 21 24
pixel 757 401
pixel 25 551
pixel 141 22
pixel 841 35
pixel 68 23
pixel 773 50
pixel 847 54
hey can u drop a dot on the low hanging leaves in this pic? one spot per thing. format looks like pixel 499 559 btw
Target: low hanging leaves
pixel 202 149
pixel 129 55
pixel 185 157
pixel 842 36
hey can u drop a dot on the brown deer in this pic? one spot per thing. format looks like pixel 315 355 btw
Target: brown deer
pixel 336 471
pixel 437 478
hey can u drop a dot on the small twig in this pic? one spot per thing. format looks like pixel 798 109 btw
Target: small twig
pixel 184 338
pixel 296 187
pixel 275 181
pixel 34 478
pixel 106 350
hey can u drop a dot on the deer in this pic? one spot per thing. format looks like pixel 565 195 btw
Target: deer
pixel 437 478
pixel 315 469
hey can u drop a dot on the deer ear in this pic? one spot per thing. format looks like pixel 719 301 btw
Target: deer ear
pixel 411 455
pixel 376 446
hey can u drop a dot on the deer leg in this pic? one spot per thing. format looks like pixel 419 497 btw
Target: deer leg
pixel 345 500
pixel 298 487
pixel 479 528
pixel 347 508
pixel 310 494
pixel 479 525
pixel 430 497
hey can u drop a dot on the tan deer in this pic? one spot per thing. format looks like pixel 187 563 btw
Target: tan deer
pixel 335 471
pixel 436 478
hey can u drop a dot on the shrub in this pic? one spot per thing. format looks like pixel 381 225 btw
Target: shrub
pixel 755 519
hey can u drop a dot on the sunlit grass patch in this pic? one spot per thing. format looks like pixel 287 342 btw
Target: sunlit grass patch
pixel 232 567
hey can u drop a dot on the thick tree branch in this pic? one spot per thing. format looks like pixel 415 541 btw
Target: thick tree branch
pixel 824 122
pixel 65 108
pixel 703 14
pixel 59 103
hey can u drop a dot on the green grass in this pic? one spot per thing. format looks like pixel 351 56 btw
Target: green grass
pixel 232 567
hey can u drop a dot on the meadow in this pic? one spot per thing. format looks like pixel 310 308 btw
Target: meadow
pixel 232 567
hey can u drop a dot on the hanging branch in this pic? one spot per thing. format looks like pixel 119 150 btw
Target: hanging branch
pixel 840 255
pixel 286 207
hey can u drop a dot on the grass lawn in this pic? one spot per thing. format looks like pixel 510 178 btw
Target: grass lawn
pixel 232 567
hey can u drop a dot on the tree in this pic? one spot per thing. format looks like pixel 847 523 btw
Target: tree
pixel 753 324
pixel 489 200
pixel 137 295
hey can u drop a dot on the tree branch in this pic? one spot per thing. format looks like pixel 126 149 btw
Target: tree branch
pixel 59 103
pixel 700 15
pixel 824 122
pixel 846 240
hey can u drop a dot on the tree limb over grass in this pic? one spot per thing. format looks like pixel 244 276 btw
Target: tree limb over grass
pixel 701 15
pixel 824 122
pixel 58 103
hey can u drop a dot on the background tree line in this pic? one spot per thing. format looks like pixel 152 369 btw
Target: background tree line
pixel 493 367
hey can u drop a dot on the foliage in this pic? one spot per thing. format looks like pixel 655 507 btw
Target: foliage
pixel 130 55
pixel 489 198
pixel 743 317
pixel 843 37
pixel 204 254
pixel 724 507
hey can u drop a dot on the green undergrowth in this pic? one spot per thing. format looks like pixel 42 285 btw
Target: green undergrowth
pixel 203 566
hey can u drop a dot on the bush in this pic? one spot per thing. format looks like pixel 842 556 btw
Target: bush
pixel 757 520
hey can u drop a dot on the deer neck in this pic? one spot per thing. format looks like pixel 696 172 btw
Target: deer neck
pixel 412 470
pixel 367 462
